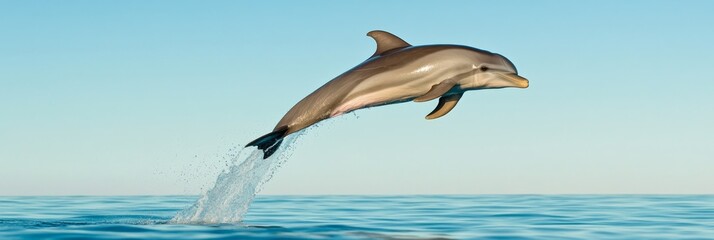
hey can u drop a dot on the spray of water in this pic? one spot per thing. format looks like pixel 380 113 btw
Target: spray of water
pixel 235 188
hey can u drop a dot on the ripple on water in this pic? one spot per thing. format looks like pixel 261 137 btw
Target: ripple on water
pixel 369 217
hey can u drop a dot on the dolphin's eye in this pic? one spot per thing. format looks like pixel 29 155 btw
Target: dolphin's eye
pixel 483 68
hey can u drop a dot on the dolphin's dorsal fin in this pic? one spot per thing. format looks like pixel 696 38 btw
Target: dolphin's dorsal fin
pixel 446 103
pixel 386 41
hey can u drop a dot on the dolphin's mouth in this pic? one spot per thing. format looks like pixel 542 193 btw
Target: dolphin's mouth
pixel 518 81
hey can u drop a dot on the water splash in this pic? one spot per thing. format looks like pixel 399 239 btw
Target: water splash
pixel 228 200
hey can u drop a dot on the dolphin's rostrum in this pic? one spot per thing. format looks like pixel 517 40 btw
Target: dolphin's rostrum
pixel 398 72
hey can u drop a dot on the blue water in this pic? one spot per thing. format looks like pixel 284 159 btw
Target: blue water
pixel 369 217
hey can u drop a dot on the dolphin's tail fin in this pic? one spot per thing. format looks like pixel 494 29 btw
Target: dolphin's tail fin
pixel 270 142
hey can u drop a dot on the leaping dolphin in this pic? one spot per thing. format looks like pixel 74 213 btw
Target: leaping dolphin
pixel 398 72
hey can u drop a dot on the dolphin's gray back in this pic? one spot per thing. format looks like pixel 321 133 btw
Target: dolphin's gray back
pixel 322 102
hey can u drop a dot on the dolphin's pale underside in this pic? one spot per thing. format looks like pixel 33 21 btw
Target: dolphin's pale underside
pixel 398 72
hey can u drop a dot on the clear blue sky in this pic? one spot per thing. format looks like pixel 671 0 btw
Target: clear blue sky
pixel 149 97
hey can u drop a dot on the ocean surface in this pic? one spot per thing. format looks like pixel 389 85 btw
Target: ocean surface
pixel 368 217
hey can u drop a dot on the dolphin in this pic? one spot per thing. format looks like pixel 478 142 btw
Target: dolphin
pixel 398 72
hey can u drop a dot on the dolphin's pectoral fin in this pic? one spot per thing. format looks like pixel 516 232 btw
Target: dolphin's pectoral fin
pixel 436 91
pixel 446 103
pixel 386 41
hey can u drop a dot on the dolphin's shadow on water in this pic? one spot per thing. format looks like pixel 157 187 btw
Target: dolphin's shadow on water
pixel 337 230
